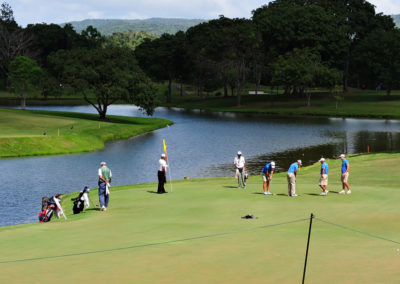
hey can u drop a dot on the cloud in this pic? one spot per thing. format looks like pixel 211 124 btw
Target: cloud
pixel 388 7
pixel 60 11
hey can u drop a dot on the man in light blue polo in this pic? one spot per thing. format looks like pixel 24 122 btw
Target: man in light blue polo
pixel 291 178
pixel 267 173
pixel 323 181
pixel 345 174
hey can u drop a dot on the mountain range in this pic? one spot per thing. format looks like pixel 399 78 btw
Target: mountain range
pixel 156 26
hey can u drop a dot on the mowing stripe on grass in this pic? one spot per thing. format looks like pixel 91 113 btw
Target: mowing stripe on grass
pixel 153 244
pixel 358 231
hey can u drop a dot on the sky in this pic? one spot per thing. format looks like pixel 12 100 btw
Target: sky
pixel 61 11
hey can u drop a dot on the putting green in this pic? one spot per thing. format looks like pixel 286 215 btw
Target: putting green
pixel 195 234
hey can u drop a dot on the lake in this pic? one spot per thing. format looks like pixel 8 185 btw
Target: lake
pixel 200 144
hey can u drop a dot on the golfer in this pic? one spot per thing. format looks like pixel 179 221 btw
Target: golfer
pixel 291 178
pixel 104 185
pixel 240 166
pixel 162 173
pixel 267 173
pixel 345 174
pixel 323 181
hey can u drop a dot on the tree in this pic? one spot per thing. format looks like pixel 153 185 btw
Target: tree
pixel 103 76
pixel 378 55
pixel 163 58
pixel 301 70
pixel 24 77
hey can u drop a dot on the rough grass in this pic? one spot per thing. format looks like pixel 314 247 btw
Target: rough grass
pixel 126 244
pixel 29 133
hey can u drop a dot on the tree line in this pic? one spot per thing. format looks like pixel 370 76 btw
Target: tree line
pixel 294 44
pixel 52 60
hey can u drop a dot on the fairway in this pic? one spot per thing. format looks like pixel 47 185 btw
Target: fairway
pixel 31 133
pixel 196 235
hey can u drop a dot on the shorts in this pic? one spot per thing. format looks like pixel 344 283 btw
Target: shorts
pixel 323 180
pixel 266 177
pixel 345 177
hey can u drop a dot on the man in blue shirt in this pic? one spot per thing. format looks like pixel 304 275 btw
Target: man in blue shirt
pixel 291 178
pixel 323 181
pixel 267 173
pixel 345 175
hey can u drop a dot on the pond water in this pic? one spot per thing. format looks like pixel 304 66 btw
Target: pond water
pixel 200 144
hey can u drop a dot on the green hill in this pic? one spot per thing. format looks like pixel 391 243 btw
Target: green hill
pixel 156 26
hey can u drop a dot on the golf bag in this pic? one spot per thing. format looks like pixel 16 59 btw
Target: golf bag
pixel 49 205
pixel 81 201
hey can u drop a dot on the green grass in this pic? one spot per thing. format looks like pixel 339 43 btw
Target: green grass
pixel 356 103
pixel 22 132
pixel 204 207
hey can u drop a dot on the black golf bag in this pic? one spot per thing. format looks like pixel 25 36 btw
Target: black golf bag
pixel 79 203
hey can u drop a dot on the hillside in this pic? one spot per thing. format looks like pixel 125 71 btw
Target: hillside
pixel 156 26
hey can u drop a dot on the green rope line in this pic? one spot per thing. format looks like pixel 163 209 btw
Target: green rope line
pixel 358 231
pixel 153 244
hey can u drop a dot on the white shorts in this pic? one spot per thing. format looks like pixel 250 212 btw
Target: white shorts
pixel 266 177
pixel 323 180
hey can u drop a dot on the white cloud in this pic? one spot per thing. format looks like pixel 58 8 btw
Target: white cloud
pixel 388 7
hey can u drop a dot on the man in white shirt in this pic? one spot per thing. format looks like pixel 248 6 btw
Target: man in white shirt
pixel 162 173
pixel 240 166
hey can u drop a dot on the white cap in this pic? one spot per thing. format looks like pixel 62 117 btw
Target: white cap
pixel 299 161
pixel 342 156
pixel 273 164
pixel 239 153
pixel 102 163
pixel 163 155
pixel 322 160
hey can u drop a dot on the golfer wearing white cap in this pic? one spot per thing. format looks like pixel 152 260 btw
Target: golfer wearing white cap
pixel 240 166
pixel 162 170
pixel 105 176
pixel 345 175
pixel 323 181
pixel 291 178
pixel 267 173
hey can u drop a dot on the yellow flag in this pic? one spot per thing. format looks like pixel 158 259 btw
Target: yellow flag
pixel 165 146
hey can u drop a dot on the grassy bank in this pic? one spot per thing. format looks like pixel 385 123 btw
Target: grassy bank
pixel 30 133
pixel 357 103
pixel 195 234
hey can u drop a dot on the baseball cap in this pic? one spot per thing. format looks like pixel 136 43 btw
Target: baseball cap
pixel 342 156
pixel 299 161
pixel 273 165
pixel 102 163
pixel 322 160
pixel 163 155
pixel 239 153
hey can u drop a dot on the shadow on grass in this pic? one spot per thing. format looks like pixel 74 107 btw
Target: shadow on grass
pixel 282 194
pixel 313 194
pixel 155 192
pixel 258 193
pixel 230 186
pixel 93 209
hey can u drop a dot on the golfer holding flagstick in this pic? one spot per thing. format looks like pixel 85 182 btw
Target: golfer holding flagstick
pixel 162 170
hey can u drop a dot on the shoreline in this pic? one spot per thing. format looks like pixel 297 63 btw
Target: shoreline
pixel 79 132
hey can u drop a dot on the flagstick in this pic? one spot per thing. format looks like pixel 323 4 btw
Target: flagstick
pixel 169 172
